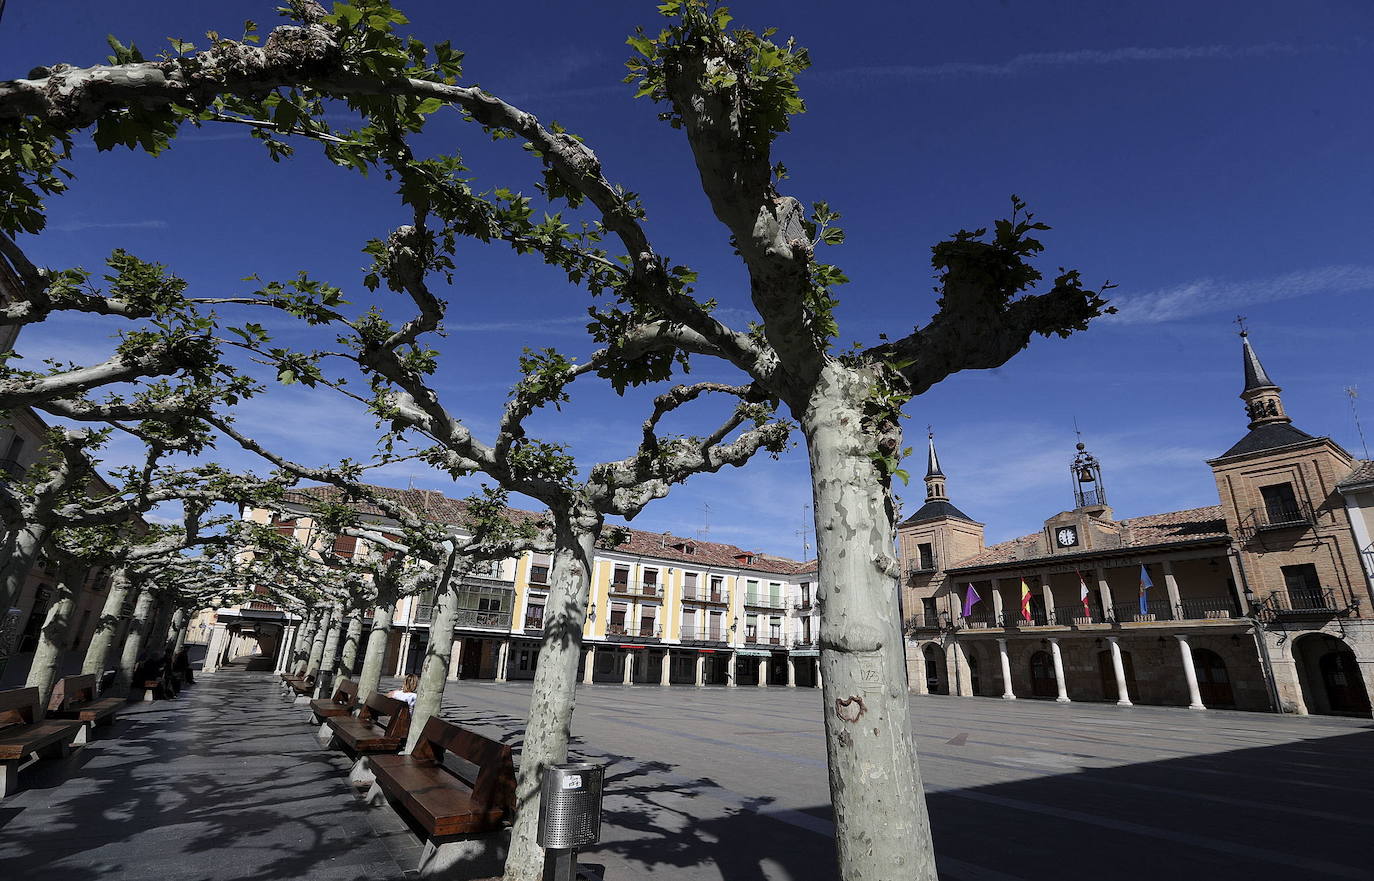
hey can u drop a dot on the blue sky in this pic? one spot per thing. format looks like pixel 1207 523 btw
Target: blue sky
pixel 1209 159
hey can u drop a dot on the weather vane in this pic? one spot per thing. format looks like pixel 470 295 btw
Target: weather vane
pixel 1240 322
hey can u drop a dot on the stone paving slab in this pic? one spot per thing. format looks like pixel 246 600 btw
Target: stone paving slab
pixel 223 782
pixel 722 784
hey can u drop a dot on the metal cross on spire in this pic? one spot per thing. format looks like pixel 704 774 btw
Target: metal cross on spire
pixel 1240 322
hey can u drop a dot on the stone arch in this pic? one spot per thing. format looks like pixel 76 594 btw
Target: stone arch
pixel 937 677
pixel 1213 679
pixel 1329 675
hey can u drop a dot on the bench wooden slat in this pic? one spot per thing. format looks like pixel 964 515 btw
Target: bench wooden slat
pixel 365 733
pixel 341 704
pixel 439 798
pixel 74 698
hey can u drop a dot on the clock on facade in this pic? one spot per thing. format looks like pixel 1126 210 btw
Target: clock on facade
pixel 1066 536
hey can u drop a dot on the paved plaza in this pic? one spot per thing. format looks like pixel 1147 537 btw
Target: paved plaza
pixel 227 782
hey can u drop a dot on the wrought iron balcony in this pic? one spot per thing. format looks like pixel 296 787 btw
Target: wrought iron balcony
pixel 636 588
pixel 632 631
pixel 805 642
pixel 759 601
pixel 703 634
pixel 980 620
pixel 755 639
pixel 421 614
pixel 1316 600
pixel 806 605
pixel 1207 608
pixel 534 625
pixel 1134 613
pixel 701 596
pixel 489 619
pixel 1285 516
pixel 925 621
pixel 923 566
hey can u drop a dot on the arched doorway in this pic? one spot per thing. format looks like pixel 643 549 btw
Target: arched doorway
pixel 1042 675
pixel 935 669
pixel 1330 676
pixel 1213 681
pixel 1108 673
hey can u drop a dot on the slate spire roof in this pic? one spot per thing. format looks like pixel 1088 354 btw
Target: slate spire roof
pixel 932 459
pixel 1255 377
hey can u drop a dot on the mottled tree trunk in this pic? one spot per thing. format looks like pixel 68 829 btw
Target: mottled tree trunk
pixel 312 664
pixel 108 627
pixel 329 653
pixel 881 827
pixel 22 548
pixel 438 652
pixel 377 639
pixel 348 657
pixel 174 628
pixel 555 686
pixel 156 639
pixel 56 632
pixel 139 626
pixel 305 642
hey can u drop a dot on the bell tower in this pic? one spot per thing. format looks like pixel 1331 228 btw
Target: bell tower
pixel 1263 404
pixel 1088 490
pixel 935 478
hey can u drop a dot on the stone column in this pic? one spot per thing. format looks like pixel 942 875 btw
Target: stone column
pixel 1063 697
pixel 763 672
pixel 284 644
pixel 455 663
pixel 1007 693
pixel 791 672
pixel 628 673
pixel 1175 601
pixel 502 660
pixel 701 669
pixel 916 669
pixel 961 685
pixel 1047 593
pixel 820 679
pixel 1189 672
pixel 1104 591
pixel 666 671
pixel 1123 695
pixel 588 665
pixel 403 656
pixel 215 648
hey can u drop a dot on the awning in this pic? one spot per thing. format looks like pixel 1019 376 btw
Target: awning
pixel 754 653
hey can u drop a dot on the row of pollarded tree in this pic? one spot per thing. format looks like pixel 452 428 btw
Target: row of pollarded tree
pixel 732 92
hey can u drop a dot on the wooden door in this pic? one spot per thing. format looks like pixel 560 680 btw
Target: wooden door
pixel 1213 680
pixel 1344 687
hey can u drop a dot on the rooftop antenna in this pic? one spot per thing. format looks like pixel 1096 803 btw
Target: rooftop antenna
pixel 704 532
pixel 805 533
pixel 1354 393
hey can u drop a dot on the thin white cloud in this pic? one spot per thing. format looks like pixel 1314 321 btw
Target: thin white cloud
pixel 1034 61
pixel 83 225
pixel 566 324
pixel 1213 295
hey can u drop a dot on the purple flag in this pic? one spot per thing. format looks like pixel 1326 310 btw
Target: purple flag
pixel 971 599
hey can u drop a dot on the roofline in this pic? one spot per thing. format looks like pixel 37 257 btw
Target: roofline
pixel 1355 487
pixel 941 517
pixel 1266 451
pixel 1088 555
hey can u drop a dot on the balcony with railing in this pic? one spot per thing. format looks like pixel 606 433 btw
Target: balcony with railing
pixel 805 642
pixel 533 624
pixel 923 565
pixel 617 632
pixel 925 621
pixel 700 596
pixel 756 639
pixel 703 634
pixel 763 601
pixel 1307 602
pixel 636 589
pixel 421 614
pixel 1289 515
pixel 806 605
pixel 485 619
pixel 1143 613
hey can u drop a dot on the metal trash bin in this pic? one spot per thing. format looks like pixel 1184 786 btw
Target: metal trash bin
pixel 569 815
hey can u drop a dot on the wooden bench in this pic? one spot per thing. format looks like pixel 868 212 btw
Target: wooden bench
pixel 343 703
pixel 443 801
pixel 381 726
pixel 301 687
pixel 21 736
pixel 75 698
pixel 155 680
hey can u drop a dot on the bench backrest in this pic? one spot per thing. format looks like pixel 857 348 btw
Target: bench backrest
pixel 395 712
pixel 18 706
pixel 494 785
pixel 70 691
pixel 346 693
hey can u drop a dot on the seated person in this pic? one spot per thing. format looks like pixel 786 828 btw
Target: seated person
pixel 407 690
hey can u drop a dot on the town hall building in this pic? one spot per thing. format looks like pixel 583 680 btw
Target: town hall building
pixel 1261 602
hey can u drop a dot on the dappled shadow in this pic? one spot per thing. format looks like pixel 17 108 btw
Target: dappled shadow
pixel 226 784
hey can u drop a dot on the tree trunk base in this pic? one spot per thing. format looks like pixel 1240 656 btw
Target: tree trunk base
pixel 467 859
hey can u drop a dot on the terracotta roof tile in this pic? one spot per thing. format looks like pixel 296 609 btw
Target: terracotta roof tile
pixel 1171 527
pixel 1362 473
pixel 439 508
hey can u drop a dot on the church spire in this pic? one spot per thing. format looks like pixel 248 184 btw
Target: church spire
pixel 935 478
pixel 1261 396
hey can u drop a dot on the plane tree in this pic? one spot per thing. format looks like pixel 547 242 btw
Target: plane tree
pixel 732 92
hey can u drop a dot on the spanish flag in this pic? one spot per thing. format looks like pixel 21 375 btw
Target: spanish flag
pixel 1025 600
